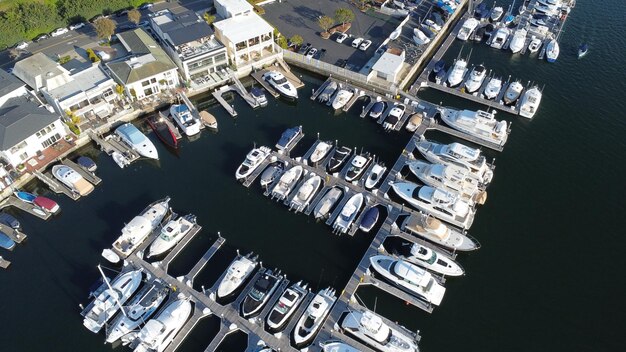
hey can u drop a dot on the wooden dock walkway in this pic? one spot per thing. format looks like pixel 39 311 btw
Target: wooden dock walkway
pixel 29 208
pixel 54 185
pixel 228 107
pixel 205 258
pixel 89 176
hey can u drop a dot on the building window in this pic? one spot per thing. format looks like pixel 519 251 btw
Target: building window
pixel 50 141
pixel 220 57
pixel 240 45
pixel 148 92
pixel 145 83
pixel 153 80
pixel 23 156
pixel 17 148
pixel 107 93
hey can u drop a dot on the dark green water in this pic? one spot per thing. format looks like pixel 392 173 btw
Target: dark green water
pixel 548 277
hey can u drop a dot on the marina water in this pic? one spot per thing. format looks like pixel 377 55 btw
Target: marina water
pixel 548 277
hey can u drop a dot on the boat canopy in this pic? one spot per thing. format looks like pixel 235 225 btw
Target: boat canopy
pixel 132 133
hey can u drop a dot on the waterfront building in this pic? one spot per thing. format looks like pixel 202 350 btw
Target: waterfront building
pixel 232 8
pixel 41 72
pixel 388 66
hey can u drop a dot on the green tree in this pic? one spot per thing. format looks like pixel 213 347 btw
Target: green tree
pixel 296 40
pixel 209 18
pixel 104 28
pixel 344 15
pixel 325 23
pixel 134 16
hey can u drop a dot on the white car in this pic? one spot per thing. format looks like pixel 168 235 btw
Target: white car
pixel 21 45
pixel 311 53
pixel 59 31
pixel 103 55
pixel 341 38
pixel 356 42
pixel 76 26
pixel 366 44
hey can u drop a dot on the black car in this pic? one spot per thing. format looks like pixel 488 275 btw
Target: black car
pixel 95 18
pixel 126 27
pixel 41 37
pixel 146 6
pixel 305 48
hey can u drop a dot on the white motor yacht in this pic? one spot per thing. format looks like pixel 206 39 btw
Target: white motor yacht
pixel 138 229
pixel 410 277
pixel 320 152
pixel 311 321
pixel 481 124
pixel 394 117
pixel 160 331
pixel 435 231
pixel 476 78
pixel 72 179
pixel 337 346
pixel 172 233
pixel 457 154
pixel 469 26
pixel 138 141
pixel 271 174
pixel 513 92
pixel 254 158
pixel 534 45
pixel 375 175
pixel 518 41
pixel 108 302
pixel 451 177
pixel 530 102
pixel 368 327
pixel 552 50
pixel 440 203
pixel 419 37
pixel 425 256
pixel 286 306
pixel 358 166
pixel 496 14
pixel 458 72
pixel 341 98
pixel 237 273
pixel 493 88
pixel 287 182
pixel 305 193
pixel 378 109
pixel 278 81
pixel 260 293
pixel 348 213
pixel 500 37
pixel 185 120
pixel 328 201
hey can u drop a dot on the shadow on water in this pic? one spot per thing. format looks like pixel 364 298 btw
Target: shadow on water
pixel 201 335
pixel 189 256
pixel 208 276
pixel 234 342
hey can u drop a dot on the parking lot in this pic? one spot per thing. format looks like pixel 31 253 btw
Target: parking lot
pixel 301 17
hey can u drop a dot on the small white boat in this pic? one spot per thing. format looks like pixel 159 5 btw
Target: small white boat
pixel 210 121
pixel 286 306
pixel 138 141
pixel 493 88
pixel 377 109
pixel 111 256
pixel 348 213
pixel 458 72
pixel 481 124
pixel 500 37
pixel 138 229
pixel 435 231
pixel 271 174
pixel 424 256
pixel 368 327
pixel 419 37
pixel 341 98
pixel 120 159
pixel 457 154
pixel 451 177
pixel 328 201
pixel 237 273
pixel 395 34
pixel 513 92
pixel 534 45
pixel 530 102
pixel 358 165
pixel 518 41
pixel 375 175
pixel 160 331
pixel 184 119
pixel 305 193
pixel 394 117
pixel 469 26
pixel 410 277
pixel 278 81
pixel 337 346
pixel 476 78
pixel 286 182
pixel 552 50
pixel 311 321
pixel 72 179
pixel 496 14
pixel 414 121
pixel 172 233
pixel 320 152
pixel 254 158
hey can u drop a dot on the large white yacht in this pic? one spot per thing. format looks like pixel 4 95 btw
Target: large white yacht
pixel 254 158
pixel 493 88
pixel 368 327
pixel 481 124
pixel 348 213
pixel 138 141
pixel 281 84
pixel 451 177
pixel 159 332
pixel 328 201
pixel 341 98
pixel 136 231
pixel 72 179
pixel 429 228
pixel 185 119
pixel 287 182
pixel 530 102
pixel 476 78
pixel 311 321
pixel 440 203
pixel 518 41
pixel 458 72
pixel 286 306
pixel 410 277
pixel 457 154
pixel 305 193
pixel 172 233
pixel 108 302
pixel 424 256
pixel 500 37
pixel 237 273
pixel 467 29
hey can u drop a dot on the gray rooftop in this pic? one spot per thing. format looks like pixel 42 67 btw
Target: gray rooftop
pixel 8 83
pixel 40 64
pixel 20 118
pixel 82 81
pixel 185 27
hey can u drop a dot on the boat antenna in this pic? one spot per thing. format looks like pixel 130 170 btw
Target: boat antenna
pixel 106 280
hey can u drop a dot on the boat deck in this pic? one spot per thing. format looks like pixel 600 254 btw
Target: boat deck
pixel 89 176
pixel 54 185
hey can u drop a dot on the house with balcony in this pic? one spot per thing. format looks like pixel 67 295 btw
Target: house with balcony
pixel 146 70
pixel 190 43
pixel 232 8
pixel 249 40
pixel 41 72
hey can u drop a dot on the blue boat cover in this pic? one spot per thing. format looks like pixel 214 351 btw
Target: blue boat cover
pixel 5 241
pixel 132 133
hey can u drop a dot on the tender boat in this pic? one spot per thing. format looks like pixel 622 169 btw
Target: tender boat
pixel 286 306
pixel 432 25
pixel 110 255
pixel 341 98
pixel 375 176
pixel 159 332
pixel 262 290
pixel 337 346
pixel 394 117
pixel 458 72
pixel 72 179
pixel 440 76
pixel 493 88
pixel 552 50
pixel 500 37
pixel 339 158
pixel 423 256
pixel 47 204
pixel 582 50
pixel 481 124
pixel 479 34
pixel 440 203
pixel 181 114
pixel 414 122
pixel 508 19
pixel 328 92
pixel 108 302
pixel 377 109
pixel 469 26
pixel 496 14
pixel 138 229
pixel 513 92
pixel 138 310
pixel 120 159
pixel 271 173
pixel 348 213
pixel 9 220
pixel 86 163
pixel 6 242
pixel 439 66
pixel 319 153
pixel 162 129
pixel 457 154
pixel 518 41
pixel 530 102
pixel 409 277
pixel 287 182
pixel 369 219
pixel 395 34
pixel 238 271
pixel 288 138
pixel 278 81
pixel 305 193
pixel 25 196
pixel 368 327
pixel 476 78
pixel 419 37
pixel 358 165
pixel 172 233
pixel 138 141
pixel 451 177
pixel 208 119
pixel 327 203
pixel 481 11
pixel 259 96
pixel 254 158
pixel 311 321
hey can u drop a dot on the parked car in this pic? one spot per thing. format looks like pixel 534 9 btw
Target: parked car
pixel 356 42
pixel 10 70
pixel 304 48
pixel 59 31
pixel 21 45
pixel 341 37
pixel 41 37
pixel 146 6
pixel 122 12
pixel 144 24
pixel 97 17
pixel 381 50
pixel 311 52
pixel 103 55
pixel 321 54
pixel 366 44
pixel 76 26
pixel 126 27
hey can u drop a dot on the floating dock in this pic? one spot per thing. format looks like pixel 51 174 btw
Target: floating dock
pixel 112 143
pixel 26 207
pixel 258 76
pixel 4 264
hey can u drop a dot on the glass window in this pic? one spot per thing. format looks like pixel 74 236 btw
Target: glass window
pixel 145 83
pixel 153 80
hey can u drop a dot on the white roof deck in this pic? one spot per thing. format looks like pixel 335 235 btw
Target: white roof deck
pixel 241 28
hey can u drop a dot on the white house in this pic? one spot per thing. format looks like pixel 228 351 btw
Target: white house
pixel 190 43
pixel 388 66
pixel 248 38
pixel 231 8
pixel 39 71
pixel 146 70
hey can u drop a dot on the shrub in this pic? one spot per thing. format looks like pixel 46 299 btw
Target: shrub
pixel 64 59
pixel 92 55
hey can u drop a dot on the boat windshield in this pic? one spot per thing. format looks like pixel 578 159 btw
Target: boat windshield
pixel 280 80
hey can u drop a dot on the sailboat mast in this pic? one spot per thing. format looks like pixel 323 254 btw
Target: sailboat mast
pixel 111 288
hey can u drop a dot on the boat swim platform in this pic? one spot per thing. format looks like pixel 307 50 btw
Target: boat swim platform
pixel 28 208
